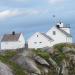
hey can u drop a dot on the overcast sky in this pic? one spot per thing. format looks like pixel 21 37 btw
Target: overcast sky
pixel 30 16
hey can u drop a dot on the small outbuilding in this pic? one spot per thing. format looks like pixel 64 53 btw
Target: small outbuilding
pixel 12 41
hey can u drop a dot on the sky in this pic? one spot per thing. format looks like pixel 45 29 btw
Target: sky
pixel 30 16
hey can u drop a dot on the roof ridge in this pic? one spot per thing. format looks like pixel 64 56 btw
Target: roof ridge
pixel 10 37
pixel 63 31
pixel 48 37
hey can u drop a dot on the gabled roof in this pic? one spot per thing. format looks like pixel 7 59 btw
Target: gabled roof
pixel 64 32
pixel 11 37
pixel 42 34
pixel 46 36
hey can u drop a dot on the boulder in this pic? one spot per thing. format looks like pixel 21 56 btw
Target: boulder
pixel 67 49
pixel 5 70
pixel 41 61
pixel 52 62
pixel 48 49
pixel 45 70
pixel 28 64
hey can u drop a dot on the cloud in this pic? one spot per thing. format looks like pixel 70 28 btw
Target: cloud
pixel 20 12
pixel 55 1
pixel 30 12
pixel 7 13
pixel 35 11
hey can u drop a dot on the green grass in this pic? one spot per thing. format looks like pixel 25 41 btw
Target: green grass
pixel 61 45
pixel 58 58
pixel 5 58
pixel 42 53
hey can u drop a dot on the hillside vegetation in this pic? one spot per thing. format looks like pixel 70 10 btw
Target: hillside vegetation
pixel 58 60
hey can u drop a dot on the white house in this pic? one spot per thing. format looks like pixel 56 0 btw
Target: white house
pixel 12 41
pixel 57 34
pixel 60 34
pixel 39 40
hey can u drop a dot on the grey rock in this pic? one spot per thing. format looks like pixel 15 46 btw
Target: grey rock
pixel 45 70
pixel 33 74
pixel 52 62
pixel 25 53
pixel 48 49
pixel 66 49
pixel 28 64
pixel 64 68
pixel 41 60
pixel 5 70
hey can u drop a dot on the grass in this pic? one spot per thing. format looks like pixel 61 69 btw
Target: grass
pixel 5 58
pixel 42 53
pixel 57 56
pixel 61 45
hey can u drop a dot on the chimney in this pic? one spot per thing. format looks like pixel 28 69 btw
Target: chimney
pixel 13 33
pixel 58 26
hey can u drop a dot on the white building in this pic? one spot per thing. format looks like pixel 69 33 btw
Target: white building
pixel 12 41
pixel 39 40
pixel 57 34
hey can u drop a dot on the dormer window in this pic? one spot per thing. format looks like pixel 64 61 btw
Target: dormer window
pixel 35 42
pixel 37 35
pixel 54 32
pixel 40 42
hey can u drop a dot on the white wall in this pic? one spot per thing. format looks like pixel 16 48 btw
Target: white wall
pixel 67 30
pixel 34 41
pixel 59 37
pixel 9 45
pixel 21 41
pixel 13 45
pixel 69 40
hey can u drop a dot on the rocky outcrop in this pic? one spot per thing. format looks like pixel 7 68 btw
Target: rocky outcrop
pixel 67 49
pixel 59 60
pixel 4 69
pixel 52 62
pixel 41 61
pixel 28 64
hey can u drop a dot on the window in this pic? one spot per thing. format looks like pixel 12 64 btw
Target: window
pixel 40 42
pixel 35 42
pixel 37 35
pixel 54 33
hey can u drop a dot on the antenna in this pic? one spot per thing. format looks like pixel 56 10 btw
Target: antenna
pixel 60 21
pixel 54 18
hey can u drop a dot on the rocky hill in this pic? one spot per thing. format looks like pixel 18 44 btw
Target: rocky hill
pixel 58 60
